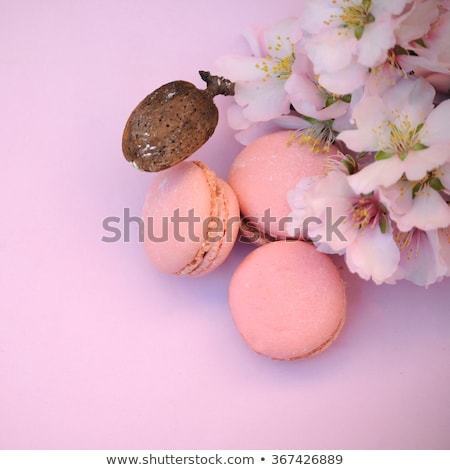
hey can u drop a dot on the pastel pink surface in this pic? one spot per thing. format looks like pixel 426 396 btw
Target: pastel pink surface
pixel 287 300
pixel 99 350
pixel 264 172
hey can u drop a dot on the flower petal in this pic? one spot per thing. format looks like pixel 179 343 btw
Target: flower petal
pixel 281 37
pixel 345 80
pixel 301 89
pixel 410 99
pixel 436 127
pixel 394 7
pixel 444 247
pixel 397 198
pixel 252 36
pixel 369 115
pixel 239 68
pixel 263 101
pixel 419 162
pixel 416 23
pixel 443 173
pixel 316 15
pixel 330 50
pixel 420 259
pixel 373 255
pixel 428 211
pixel 379 173
pixel 377 39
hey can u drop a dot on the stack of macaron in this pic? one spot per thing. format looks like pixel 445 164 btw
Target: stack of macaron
pixel 286 298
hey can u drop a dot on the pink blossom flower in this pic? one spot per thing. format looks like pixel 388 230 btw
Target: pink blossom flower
pixel 371 77
pixel 345 38
pixel 441 83
pixel 311 99
pixel 385 76
pixel 420 259
pixel 319 116
pixel 419 204
pixel 431 51
pixel 249 131
pixel 363 231
pixel 410 137
pixel 261 79
pixel 416 22
pixel 444 246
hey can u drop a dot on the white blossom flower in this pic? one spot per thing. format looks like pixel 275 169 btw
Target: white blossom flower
pixel 421 203
pixel 345 38
pixel 410 137
pixel 260 79
pixel 430 50
pixel 444 246
pixel 370 78
pixel 338 220
pixel 420 258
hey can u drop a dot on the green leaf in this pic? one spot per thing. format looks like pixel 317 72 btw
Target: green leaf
pixel 398 50
pixel 370 18
pixel 366 4
pixel 359 31
pixel 394 129
pixel 419 146
pixel 436 184
pixel 420 42
pixel 381 155
pixel 347 98
pixel 309 119
pixel 416 188
pixel 419 127
pixel 383 223
pixel 330 100
pixel 350 163
pixel 328 123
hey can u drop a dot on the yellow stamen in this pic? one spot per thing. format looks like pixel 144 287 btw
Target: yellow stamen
pixel 277 67
pixel 319 137
pixel 403 136
pixel 354 15
pixel 365 212
pixel 408 243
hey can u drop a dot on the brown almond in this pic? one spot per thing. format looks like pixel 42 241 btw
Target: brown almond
pixel 172 123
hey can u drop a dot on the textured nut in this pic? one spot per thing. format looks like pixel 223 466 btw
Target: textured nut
pixel 171 123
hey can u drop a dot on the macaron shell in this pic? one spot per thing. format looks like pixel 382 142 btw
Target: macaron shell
pixel 191 220
pixel 176 194
pixel 287 300
pixel 264 172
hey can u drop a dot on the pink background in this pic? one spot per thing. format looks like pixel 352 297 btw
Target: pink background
pixel 99 350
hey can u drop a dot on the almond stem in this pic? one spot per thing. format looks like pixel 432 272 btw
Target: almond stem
pixel 216 85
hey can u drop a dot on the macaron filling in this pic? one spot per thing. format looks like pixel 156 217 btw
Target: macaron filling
pixel 216 228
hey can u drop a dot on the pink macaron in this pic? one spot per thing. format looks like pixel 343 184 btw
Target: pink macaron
pixel 262 175
pixel 191 220
pixel 287 300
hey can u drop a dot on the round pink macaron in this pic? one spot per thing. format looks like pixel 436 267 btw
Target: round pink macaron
pixel 287 300
pixel 264 172
pixel 191 220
